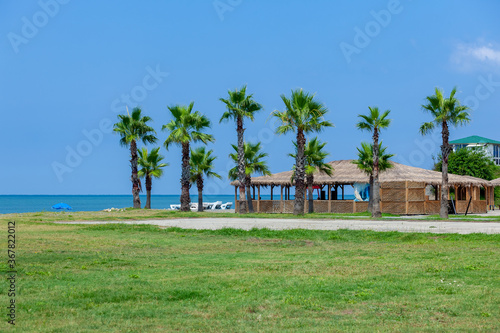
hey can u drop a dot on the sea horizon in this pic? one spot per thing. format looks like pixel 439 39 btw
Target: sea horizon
pixel 31 203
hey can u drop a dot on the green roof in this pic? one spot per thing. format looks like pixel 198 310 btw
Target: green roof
pixel 474 139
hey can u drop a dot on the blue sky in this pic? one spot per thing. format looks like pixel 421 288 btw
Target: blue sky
pixel 69 67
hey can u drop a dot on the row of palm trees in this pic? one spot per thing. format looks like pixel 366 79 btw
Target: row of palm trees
pixel 303 114
pixel 372 158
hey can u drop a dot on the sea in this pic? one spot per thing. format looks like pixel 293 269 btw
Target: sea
pixel 43 203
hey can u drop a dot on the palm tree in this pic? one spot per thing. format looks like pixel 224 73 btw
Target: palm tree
pixel 315 161
pixel 253 165
pixel 374 122
pixel 303 114
pixel 150 167
pixel 446 112
pixel 132 128
pixel 185 127
pixel 365 164
pixel 239 106
pixel 201 163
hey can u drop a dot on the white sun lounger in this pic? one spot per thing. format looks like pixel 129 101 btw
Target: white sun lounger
pixel 227 205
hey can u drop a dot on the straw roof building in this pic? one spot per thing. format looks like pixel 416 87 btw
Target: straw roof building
pixel 495 182
pixel 404 190
pixel 346 172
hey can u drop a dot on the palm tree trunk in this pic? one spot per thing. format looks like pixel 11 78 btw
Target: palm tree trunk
pixel 445 151
pixel 376 213
pixel 298 208
pixel 310 180
pixel 148 191
pixel 136 188
pixel 241 165
pixel 370 199
pixel 199 184
pixel 249 196
pixel 185 199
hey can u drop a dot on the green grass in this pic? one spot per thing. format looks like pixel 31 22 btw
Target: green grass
pixel 141 214
pixel 141 278
pixel 137 214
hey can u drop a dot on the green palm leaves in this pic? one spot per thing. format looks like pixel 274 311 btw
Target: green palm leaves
pixel 150 163
pixel 445 112
pixel 151 167
pixel 303 114
pixel 239 106
pixel 365 158
pixel 254 163
pixel 201 163
pixel 315 157
pixel 186 126
pixel 374 122
pixel 314 162
pixel 132 128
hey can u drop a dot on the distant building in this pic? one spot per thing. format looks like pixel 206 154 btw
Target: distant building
pixel 491 147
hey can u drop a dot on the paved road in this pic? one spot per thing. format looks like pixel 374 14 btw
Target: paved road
pixel 281 224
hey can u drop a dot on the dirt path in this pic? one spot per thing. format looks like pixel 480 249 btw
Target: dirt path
pixel 282 224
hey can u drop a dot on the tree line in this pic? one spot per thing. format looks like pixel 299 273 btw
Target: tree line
pixel 302 115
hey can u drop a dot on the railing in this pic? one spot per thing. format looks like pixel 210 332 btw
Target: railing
pixel 496 160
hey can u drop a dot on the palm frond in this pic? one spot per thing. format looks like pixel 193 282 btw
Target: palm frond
pixel 186 126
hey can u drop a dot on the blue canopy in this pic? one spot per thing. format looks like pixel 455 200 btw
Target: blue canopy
pixel 62 205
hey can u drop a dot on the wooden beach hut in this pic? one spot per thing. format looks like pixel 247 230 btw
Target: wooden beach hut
pixel 494 183
pixel 404 190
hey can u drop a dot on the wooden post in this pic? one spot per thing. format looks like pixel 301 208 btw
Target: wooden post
pixel 253 189
pixel 468 197
pixel 272 186
pixel 281 199
pixel 258 198
pixel 493 197
pixel 487 197
pixel 456 199
pixel 329 198
pixel 407 204
pixel 343 192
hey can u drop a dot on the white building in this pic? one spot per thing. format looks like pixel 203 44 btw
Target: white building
pixel 491 147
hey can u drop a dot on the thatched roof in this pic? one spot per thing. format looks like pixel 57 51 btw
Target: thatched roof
pixel 495 182
pixel 346 172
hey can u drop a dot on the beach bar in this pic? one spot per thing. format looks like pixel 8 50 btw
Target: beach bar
pixel 404 190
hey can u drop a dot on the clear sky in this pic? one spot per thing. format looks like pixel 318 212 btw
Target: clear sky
pixel 69 67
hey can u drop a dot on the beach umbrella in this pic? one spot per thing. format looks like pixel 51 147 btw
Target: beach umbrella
pixel 61 206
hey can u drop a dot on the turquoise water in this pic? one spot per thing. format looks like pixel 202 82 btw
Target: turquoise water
pixel 37 203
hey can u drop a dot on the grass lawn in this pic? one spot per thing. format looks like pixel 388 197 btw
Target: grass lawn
pixel 138 214
pixel 129 278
